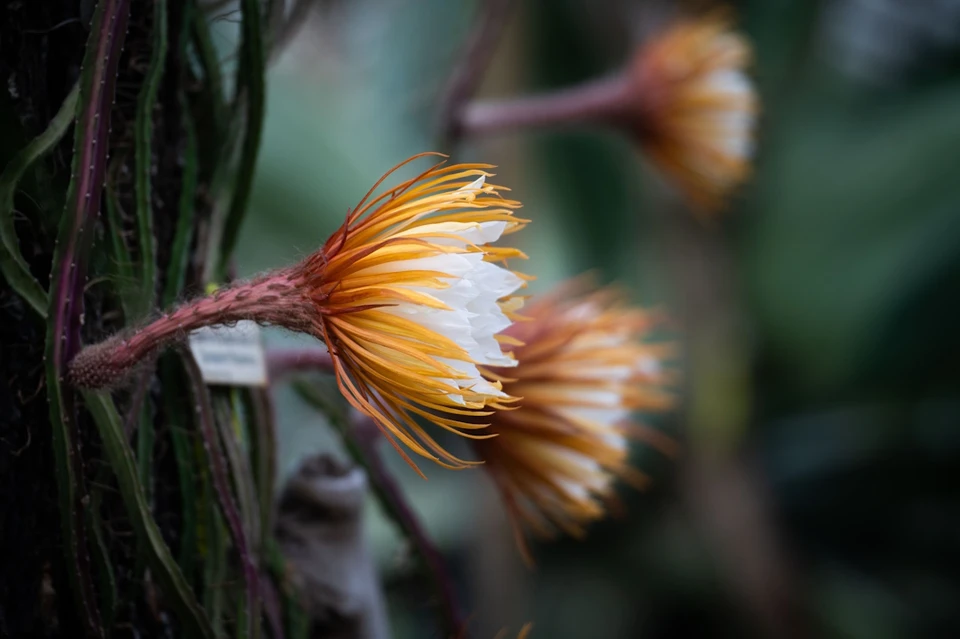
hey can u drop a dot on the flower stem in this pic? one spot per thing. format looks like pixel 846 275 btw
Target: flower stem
pixel 366 435
pixel 219 475
pixel 603 101
pixel 470 70
pixel 361 437
pixel 273 299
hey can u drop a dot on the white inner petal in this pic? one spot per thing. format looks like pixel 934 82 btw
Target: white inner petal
pixel 606 407
pixel 735 124
pixel 475 185
pixel 576 492
pixel 600 416
pixel 477 233
pixel 605 373
pixel 729 81
pixel 474 316
pixel 589 476
pixel 596 397
pixel 615 440
pixel 648 365
pixel 736 139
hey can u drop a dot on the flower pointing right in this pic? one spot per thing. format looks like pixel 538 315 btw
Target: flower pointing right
pixel 684 98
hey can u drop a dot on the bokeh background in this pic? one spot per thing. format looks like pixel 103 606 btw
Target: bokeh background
pixel 817 494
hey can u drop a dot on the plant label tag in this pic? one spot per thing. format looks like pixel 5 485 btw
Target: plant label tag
pixel 231 355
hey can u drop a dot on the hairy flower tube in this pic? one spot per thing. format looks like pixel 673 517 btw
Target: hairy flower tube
pixel 696 107
pixel 408 295
pixel 584 366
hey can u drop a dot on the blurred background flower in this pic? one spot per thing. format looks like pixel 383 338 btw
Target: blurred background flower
pixel 584 366
pixel 816 496
pixel 696 108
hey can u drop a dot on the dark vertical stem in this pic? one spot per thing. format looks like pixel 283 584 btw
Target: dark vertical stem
pixel 263 432
pixel 251 86
pixel 171 378
pixel 213 93
pixel 227 419
pixel 271 607
pixel 68 279
pixel 730 506
pixel 183 236
pixel 295 619
pixel 469 73
pixel 137 399
pixel 144 160
pixel 361 438
pixel 101 555
pixel 724 494
pixel 366 436
pixel 177 592
pixel 221 482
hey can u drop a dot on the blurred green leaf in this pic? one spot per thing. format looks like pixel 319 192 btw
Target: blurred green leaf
pixel 856 210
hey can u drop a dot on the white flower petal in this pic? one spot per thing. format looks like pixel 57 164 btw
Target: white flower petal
pixel 476 233
pixel 474 317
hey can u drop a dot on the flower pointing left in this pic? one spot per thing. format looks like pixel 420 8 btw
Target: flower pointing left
pixel 409 296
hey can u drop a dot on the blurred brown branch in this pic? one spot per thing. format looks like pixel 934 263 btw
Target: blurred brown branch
pixel 469 72
pixel 726 496
pixel 733 513
pixel 366 436
pixel 601 101
pixel 362 437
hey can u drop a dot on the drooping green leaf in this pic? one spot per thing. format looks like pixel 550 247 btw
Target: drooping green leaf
pixel 67 282
pixel 12 264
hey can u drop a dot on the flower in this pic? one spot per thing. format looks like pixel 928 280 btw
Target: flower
pixel 696 107
pixel 684 98
pixel 584 366
pixel 411 300
pixel 408 296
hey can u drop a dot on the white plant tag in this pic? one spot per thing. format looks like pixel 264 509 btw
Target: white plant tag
pixel 231 355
